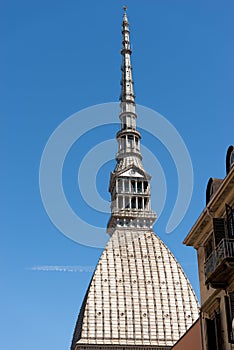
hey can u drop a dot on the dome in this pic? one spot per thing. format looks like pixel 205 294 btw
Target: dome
pixel 139 296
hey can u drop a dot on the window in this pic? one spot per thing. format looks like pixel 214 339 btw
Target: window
pixel 120 186
pixel 133 187
pixel 230 221
pixel 213 331
pixel 139 186
pixel 229 306
pixel 133 203
pixel 126 185
pixel 130 141
pixel 128 122
pixel 120 202
pixel 219 230
pixel 137 141
pixel 146 200
pixel 229 159
pixel 232 159
pixel 209 247
pixel 124 123
pixel 145 186
pixel 123 142
pixel 210 330
pixel 127 202
pixel 140 204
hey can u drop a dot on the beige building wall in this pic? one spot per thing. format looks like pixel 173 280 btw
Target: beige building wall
pixel 213 237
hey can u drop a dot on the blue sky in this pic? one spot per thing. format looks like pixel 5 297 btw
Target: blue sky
pixel 59 57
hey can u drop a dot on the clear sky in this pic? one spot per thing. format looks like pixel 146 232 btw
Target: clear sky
pixel 59 57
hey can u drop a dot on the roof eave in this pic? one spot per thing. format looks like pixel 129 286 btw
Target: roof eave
pixel 193 238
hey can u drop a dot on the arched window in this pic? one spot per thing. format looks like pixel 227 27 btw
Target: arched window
pixel 229 158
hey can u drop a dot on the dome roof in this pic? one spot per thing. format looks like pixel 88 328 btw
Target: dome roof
pixel 139 296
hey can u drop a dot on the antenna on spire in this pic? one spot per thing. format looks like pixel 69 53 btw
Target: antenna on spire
pixel 125 8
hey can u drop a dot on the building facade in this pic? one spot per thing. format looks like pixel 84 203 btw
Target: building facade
pixel 139 296
pixel 213 237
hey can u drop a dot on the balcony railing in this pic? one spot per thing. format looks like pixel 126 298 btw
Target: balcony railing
pixel 224 250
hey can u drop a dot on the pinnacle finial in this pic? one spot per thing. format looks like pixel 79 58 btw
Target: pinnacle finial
pixel 125 19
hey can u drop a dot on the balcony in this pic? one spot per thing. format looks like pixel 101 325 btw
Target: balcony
pixel 219 266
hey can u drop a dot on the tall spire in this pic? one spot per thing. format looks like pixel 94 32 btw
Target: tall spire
pixel 127 92
pixel 129 183
pixel 128 137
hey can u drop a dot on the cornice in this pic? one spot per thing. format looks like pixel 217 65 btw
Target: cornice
pixel 215 208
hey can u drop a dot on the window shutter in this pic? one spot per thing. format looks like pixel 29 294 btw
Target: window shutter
pixel 230 221
pixel 219 229
pixel 209 247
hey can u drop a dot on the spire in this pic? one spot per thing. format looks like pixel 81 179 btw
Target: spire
pixel 129 183
pixel 127 91
pixel 128 137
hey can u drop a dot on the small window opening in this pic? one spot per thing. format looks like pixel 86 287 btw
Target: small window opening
pixel 133 186
pixel 133 203
pixel 120 202
pixel 127 202
pixel 140 204
pixel 126 185
pixel 120 185
pixel 139 186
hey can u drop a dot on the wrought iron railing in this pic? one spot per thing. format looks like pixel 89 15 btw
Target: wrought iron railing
pixel 225 249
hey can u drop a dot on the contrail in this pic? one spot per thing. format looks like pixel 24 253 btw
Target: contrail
pixel 79 268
